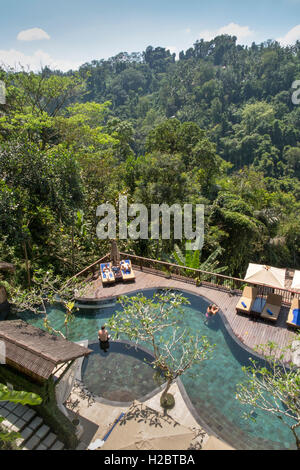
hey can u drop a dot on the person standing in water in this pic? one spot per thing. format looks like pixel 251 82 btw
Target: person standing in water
pixel 211 311
pixel 104 338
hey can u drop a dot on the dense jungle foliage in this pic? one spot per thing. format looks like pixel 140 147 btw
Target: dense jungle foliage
pixel 216 127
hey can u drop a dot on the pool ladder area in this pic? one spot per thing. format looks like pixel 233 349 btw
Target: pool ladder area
pixel 99 304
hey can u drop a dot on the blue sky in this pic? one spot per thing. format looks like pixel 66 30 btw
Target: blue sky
pixel 67 33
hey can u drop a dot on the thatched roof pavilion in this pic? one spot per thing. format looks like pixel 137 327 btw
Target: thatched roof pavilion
pixel 7 267
pixel 34 352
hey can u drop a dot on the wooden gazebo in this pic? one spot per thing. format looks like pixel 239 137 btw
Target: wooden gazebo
pixel 36 353
pixel 36 361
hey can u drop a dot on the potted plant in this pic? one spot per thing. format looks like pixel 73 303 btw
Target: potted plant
pixel 78 426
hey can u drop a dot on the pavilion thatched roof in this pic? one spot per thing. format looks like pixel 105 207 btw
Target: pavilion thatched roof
pixel 35 352
pixel 7 266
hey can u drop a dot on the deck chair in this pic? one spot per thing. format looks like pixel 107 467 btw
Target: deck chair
pixel 294 314
pixel 272 308
pixel 127 274
pixel 247 300
pixel 107 277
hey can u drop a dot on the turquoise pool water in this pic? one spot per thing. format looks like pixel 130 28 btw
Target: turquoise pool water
pixel 110 375
pixel 213 385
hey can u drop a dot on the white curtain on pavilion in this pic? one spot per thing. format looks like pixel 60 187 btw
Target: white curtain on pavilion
pixel 268 275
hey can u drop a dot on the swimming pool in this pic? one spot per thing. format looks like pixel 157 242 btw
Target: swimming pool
pixel 115 370
pixel 212 388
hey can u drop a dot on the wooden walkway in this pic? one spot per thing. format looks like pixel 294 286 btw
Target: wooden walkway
pixel 250 331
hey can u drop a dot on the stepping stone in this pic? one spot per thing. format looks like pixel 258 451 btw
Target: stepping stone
pixel 26 433
pixel 10 420
pixel 32 443
pixel 57 446
pixel 4 412
pixel 10 406
pixel 20 410
pixel 41 447
pixel 42 431
pixel 49 440
pixel 18 426
pixel 28 415
pixel 35 423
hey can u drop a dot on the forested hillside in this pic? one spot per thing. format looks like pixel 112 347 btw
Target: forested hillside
pixel 216 127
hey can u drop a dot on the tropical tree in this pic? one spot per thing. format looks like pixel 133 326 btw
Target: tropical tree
pixel 14 396
pixel 34 101
pixel 274 388
pixel 155 322
pixel 192 259
pixel 47 289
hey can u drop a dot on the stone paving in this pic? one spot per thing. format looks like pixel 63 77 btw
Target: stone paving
pixel 97 418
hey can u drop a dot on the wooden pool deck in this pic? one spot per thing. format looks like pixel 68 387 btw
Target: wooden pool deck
pixel 250 331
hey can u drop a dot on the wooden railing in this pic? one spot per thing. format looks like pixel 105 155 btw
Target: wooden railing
pixel 92 268
pixel 205 278
pixel 192 276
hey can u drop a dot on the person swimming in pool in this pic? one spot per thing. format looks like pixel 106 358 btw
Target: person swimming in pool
pixel 211 311
pixel 215 309
pixel 104 338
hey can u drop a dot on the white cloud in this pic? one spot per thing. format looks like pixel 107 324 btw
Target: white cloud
pixel 241 32
pixel 15 59
pixel 34 34
pixel 291 37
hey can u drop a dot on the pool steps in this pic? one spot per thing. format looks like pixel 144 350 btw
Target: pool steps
pixel 95 306
pixel 35 435
pixel 111 302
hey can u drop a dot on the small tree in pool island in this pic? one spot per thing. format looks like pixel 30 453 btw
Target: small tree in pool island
pixel 274 389
pixel 156 322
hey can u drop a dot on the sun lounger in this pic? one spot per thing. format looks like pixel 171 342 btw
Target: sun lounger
pixel 247 300
pixel 107 277
pixel 294 314
pixel 272 308
pixel 127 271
